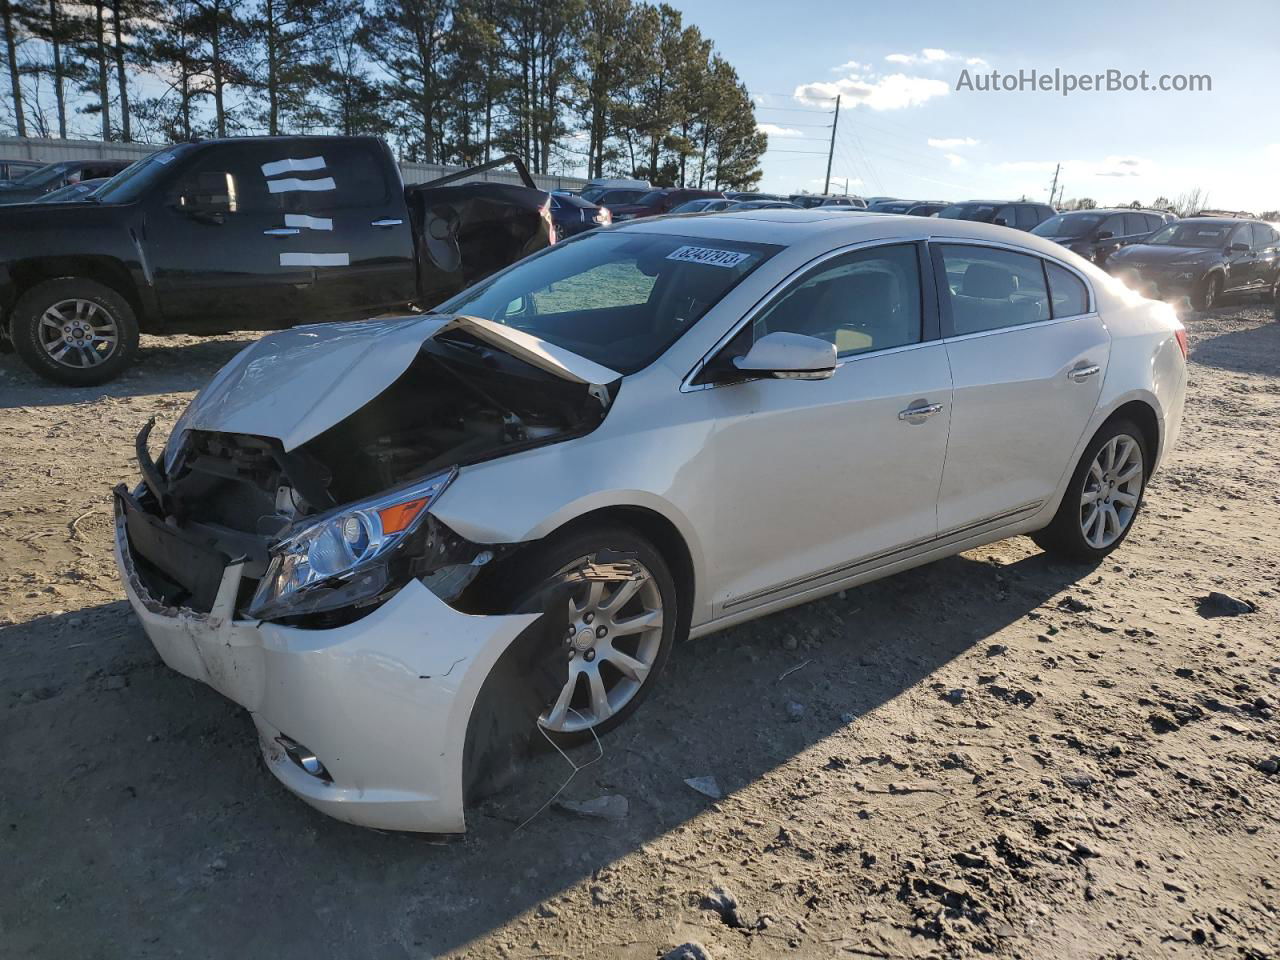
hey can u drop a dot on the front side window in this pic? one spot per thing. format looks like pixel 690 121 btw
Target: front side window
pixel 1242 234
pixel 991 289
pixel 1069 225
pixel 620 299
pixel 1263 236
pixel 861 301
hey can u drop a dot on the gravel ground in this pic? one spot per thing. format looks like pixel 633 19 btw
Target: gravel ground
pixel 993 754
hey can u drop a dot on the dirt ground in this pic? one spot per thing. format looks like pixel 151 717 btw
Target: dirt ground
pixel 992 754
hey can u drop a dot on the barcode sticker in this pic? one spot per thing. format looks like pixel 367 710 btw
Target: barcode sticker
pixel 708 255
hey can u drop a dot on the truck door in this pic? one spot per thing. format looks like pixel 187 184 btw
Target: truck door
pixel 220 255
pixel 365 232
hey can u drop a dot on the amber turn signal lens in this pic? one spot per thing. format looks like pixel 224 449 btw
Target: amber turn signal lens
pixel 398 517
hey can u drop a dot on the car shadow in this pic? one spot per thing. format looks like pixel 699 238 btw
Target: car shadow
pixel 1242 351
pixel 137 805
pixel 164 365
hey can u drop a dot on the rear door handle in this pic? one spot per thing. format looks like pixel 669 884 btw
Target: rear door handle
pixel 920 412
pixel 386 223
pixel 282 232
pixel 1081 374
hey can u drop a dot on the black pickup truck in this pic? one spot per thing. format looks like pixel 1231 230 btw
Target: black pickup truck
pixel 247 234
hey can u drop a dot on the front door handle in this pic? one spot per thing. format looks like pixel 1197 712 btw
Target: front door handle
pixel 919 413
pixel 282 232
pixel 386 223
pixel 1081 374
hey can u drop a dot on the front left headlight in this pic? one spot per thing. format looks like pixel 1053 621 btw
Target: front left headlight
pixel 342 557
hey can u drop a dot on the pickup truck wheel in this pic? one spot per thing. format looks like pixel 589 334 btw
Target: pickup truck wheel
pixel 74 331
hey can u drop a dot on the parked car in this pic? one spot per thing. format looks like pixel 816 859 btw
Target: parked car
pixel 1096 234
pixel 871 200
pixel 660 201
pixel 13 169
pixel 53 176
pixel 73 192
pixel 704 205
pixel 573 215
pixel 746 195
pixel 1021 214
pixel 247 233
pixel 807 200
pixel 597 188
pixel 764 205
pixel 409 545
pixel 1203 258
pixel 913 208
pixel 616 198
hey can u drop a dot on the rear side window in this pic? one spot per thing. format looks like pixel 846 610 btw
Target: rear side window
pixel 1027 216
pixel 1134 223
pixel 1067 292
pixel 1263 236
pixel 991 289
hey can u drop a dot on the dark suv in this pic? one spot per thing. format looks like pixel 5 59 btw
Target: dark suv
pixel 1096 234
pixel 659 201
pixel 1203 258
pixel 1019 214
pixel 54 176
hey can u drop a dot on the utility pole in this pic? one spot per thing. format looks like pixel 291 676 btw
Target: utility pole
pixel 832 152
pixel 1054 188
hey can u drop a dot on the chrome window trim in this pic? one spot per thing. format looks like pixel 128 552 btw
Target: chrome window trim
pixel 767 299
pixel 1011 248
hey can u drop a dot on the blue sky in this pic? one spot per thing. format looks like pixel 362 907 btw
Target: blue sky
pixel 905 130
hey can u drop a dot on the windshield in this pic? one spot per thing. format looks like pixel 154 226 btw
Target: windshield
pixel 1192 235
pixel 41 175
pixel 618 298
pixel 982 212
pixel 1069 225
pixel 133 180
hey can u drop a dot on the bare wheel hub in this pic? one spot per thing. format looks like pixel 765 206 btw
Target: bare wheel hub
pixel 613 637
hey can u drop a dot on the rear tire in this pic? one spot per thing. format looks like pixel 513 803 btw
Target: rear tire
pixel 1103 497
pixel 572 716
pixel 74 331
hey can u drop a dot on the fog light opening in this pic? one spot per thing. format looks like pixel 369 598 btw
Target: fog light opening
pixel 304 759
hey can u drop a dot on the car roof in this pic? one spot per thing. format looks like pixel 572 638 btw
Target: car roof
pixel 828 229
pixel 1221 221
pixel 1068 213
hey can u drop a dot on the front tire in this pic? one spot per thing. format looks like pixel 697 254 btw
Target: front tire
pixel 618 631
pixel 1102 498
pixel 1208 292
pixel 74 331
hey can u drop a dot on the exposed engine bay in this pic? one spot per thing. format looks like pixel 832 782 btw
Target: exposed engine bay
pixel 233 497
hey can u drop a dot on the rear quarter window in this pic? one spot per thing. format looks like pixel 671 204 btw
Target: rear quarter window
pixel 1068 295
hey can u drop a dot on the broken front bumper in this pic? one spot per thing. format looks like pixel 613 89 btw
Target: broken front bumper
pixel 382 703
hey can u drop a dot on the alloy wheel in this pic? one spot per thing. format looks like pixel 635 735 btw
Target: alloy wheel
pixel 613 640
pixel 1111 491
pixel 78 333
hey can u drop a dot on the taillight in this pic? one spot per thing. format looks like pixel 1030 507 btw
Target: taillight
pixel 604 216
pixel 1181 334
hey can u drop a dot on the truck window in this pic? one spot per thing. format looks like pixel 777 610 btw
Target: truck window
pixel 360 175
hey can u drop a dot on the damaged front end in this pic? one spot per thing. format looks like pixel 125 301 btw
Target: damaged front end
pixel 284 549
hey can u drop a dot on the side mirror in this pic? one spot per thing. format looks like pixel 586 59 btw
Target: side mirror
pixel 789 356
pixel 1104 235
pixel 1238 248
pixel 208 198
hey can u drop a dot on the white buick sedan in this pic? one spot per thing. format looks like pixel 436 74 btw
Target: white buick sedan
pixel 410 547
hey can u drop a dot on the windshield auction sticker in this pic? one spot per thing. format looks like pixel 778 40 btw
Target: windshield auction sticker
pixel 708 255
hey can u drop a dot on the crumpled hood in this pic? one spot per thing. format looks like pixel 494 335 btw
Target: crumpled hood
pixel 1142 254
pixel 295 384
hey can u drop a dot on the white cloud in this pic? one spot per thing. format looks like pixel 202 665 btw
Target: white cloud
pixel 1273 150
pixel 849 67
pixel 773 130
pixel 893 92
pixel 1122 167
pixel 952 143
pixel 955 159
pixel 976 62
pixel 901 58
pixel 934 55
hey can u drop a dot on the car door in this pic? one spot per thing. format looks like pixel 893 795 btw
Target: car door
pixel 359 232
pixel 1241 265
pixel 1028 356
pixel 823 479
pixel 220 256
pixel 1265 241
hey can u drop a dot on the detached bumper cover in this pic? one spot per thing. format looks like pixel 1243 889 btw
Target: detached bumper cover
pixel 383 703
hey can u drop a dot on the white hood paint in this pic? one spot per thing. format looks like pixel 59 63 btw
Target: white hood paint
pixel 295 384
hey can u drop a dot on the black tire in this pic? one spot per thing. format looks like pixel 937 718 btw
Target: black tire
pixel 1064 536
pixel 526 580
pixel 1208 292
pixel 26 331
